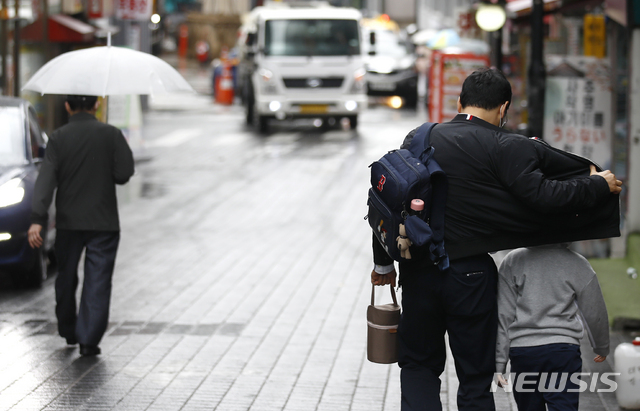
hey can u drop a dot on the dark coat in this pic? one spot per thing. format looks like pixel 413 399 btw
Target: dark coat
pixel 84 160
pixel 508 191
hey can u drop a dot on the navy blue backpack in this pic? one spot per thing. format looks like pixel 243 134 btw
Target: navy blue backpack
pixel 396 179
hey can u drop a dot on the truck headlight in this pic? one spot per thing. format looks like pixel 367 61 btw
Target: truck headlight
pixel 358 81
pixel 11 192
pixel 267 83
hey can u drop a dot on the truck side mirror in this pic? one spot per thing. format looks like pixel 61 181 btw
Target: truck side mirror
pixel 372 42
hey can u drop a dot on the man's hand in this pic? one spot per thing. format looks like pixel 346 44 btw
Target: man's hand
pixel 599 358
pixel 35 240
pixel 383 279
pixel 615 185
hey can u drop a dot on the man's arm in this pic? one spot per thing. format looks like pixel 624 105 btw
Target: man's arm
pixel 45 186
pixel 123 165
pixel 384 270
pixel 519 169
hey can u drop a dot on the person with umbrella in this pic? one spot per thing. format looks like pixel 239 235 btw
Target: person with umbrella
pixel 84 160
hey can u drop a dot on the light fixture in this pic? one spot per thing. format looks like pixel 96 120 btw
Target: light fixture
pixel 155 18
pixel 490 17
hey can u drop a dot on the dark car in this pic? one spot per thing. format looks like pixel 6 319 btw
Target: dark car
pixel 391 66
pixel 22 145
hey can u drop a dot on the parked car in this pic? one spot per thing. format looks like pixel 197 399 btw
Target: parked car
pixel 390 63
pixel 22 146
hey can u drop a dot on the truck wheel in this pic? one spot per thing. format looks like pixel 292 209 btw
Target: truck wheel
pixel 248 105
pixel 353 122
pixel 262 124
pixel 411 100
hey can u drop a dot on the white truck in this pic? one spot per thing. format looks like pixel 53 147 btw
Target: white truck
pixel 301 59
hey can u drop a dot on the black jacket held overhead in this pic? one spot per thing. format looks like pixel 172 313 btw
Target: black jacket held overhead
pixel 84 160
pixel 508 191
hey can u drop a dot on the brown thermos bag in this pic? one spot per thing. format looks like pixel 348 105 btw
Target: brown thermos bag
pixel 382 330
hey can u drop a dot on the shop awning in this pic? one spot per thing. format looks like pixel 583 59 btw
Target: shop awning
pixel 519 8
pixel 62 29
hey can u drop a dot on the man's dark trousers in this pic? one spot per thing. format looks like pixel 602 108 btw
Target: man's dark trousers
pixel 90 322
pixel 462 302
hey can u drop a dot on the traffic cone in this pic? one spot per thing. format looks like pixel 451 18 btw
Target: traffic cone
pixel 224 85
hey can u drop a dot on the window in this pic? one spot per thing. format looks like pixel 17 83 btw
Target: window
pixel 311 38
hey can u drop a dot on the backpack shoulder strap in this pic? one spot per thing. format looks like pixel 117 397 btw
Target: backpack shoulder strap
pixel 421 144
pixel 421 140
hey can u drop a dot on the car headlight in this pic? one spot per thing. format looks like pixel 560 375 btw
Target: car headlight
pixel 358 80
pixel 267 83
pixel 11 192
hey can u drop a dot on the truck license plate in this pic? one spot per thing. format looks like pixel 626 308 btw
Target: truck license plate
pixel 313 108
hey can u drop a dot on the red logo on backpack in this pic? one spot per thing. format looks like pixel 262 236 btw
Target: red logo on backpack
pixel 383 179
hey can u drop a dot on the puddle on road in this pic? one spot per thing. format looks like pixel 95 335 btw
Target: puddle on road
pixel 139 187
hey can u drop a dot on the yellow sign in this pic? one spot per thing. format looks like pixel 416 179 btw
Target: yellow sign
pixel 595 35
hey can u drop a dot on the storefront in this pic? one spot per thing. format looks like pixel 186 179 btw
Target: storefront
pixel 587 77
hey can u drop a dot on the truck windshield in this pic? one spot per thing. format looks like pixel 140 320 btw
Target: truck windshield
pixel 311 38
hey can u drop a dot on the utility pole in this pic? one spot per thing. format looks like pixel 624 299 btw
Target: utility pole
pixel 537 72
pixel 4 15
pixel 16 50
pixel 633 152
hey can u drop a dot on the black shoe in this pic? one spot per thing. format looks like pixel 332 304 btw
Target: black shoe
pixel 89 350
pixel 71 341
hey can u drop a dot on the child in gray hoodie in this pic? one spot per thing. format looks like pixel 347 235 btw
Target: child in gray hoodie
pixel 548 296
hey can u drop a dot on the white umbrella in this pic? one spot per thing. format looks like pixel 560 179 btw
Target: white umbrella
pixel 106 71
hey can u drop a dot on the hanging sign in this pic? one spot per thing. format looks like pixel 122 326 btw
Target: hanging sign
pixel 134 9
pixel 577 115
pixel 595 35
pixel 448 72
pixel 95 9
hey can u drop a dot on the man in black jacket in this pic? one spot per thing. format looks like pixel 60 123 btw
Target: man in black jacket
pixel 500 195
pixel 84 160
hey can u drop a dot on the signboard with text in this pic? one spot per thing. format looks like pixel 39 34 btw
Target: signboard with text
pixel 578 107
pixel 134 9
pixel 448 72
